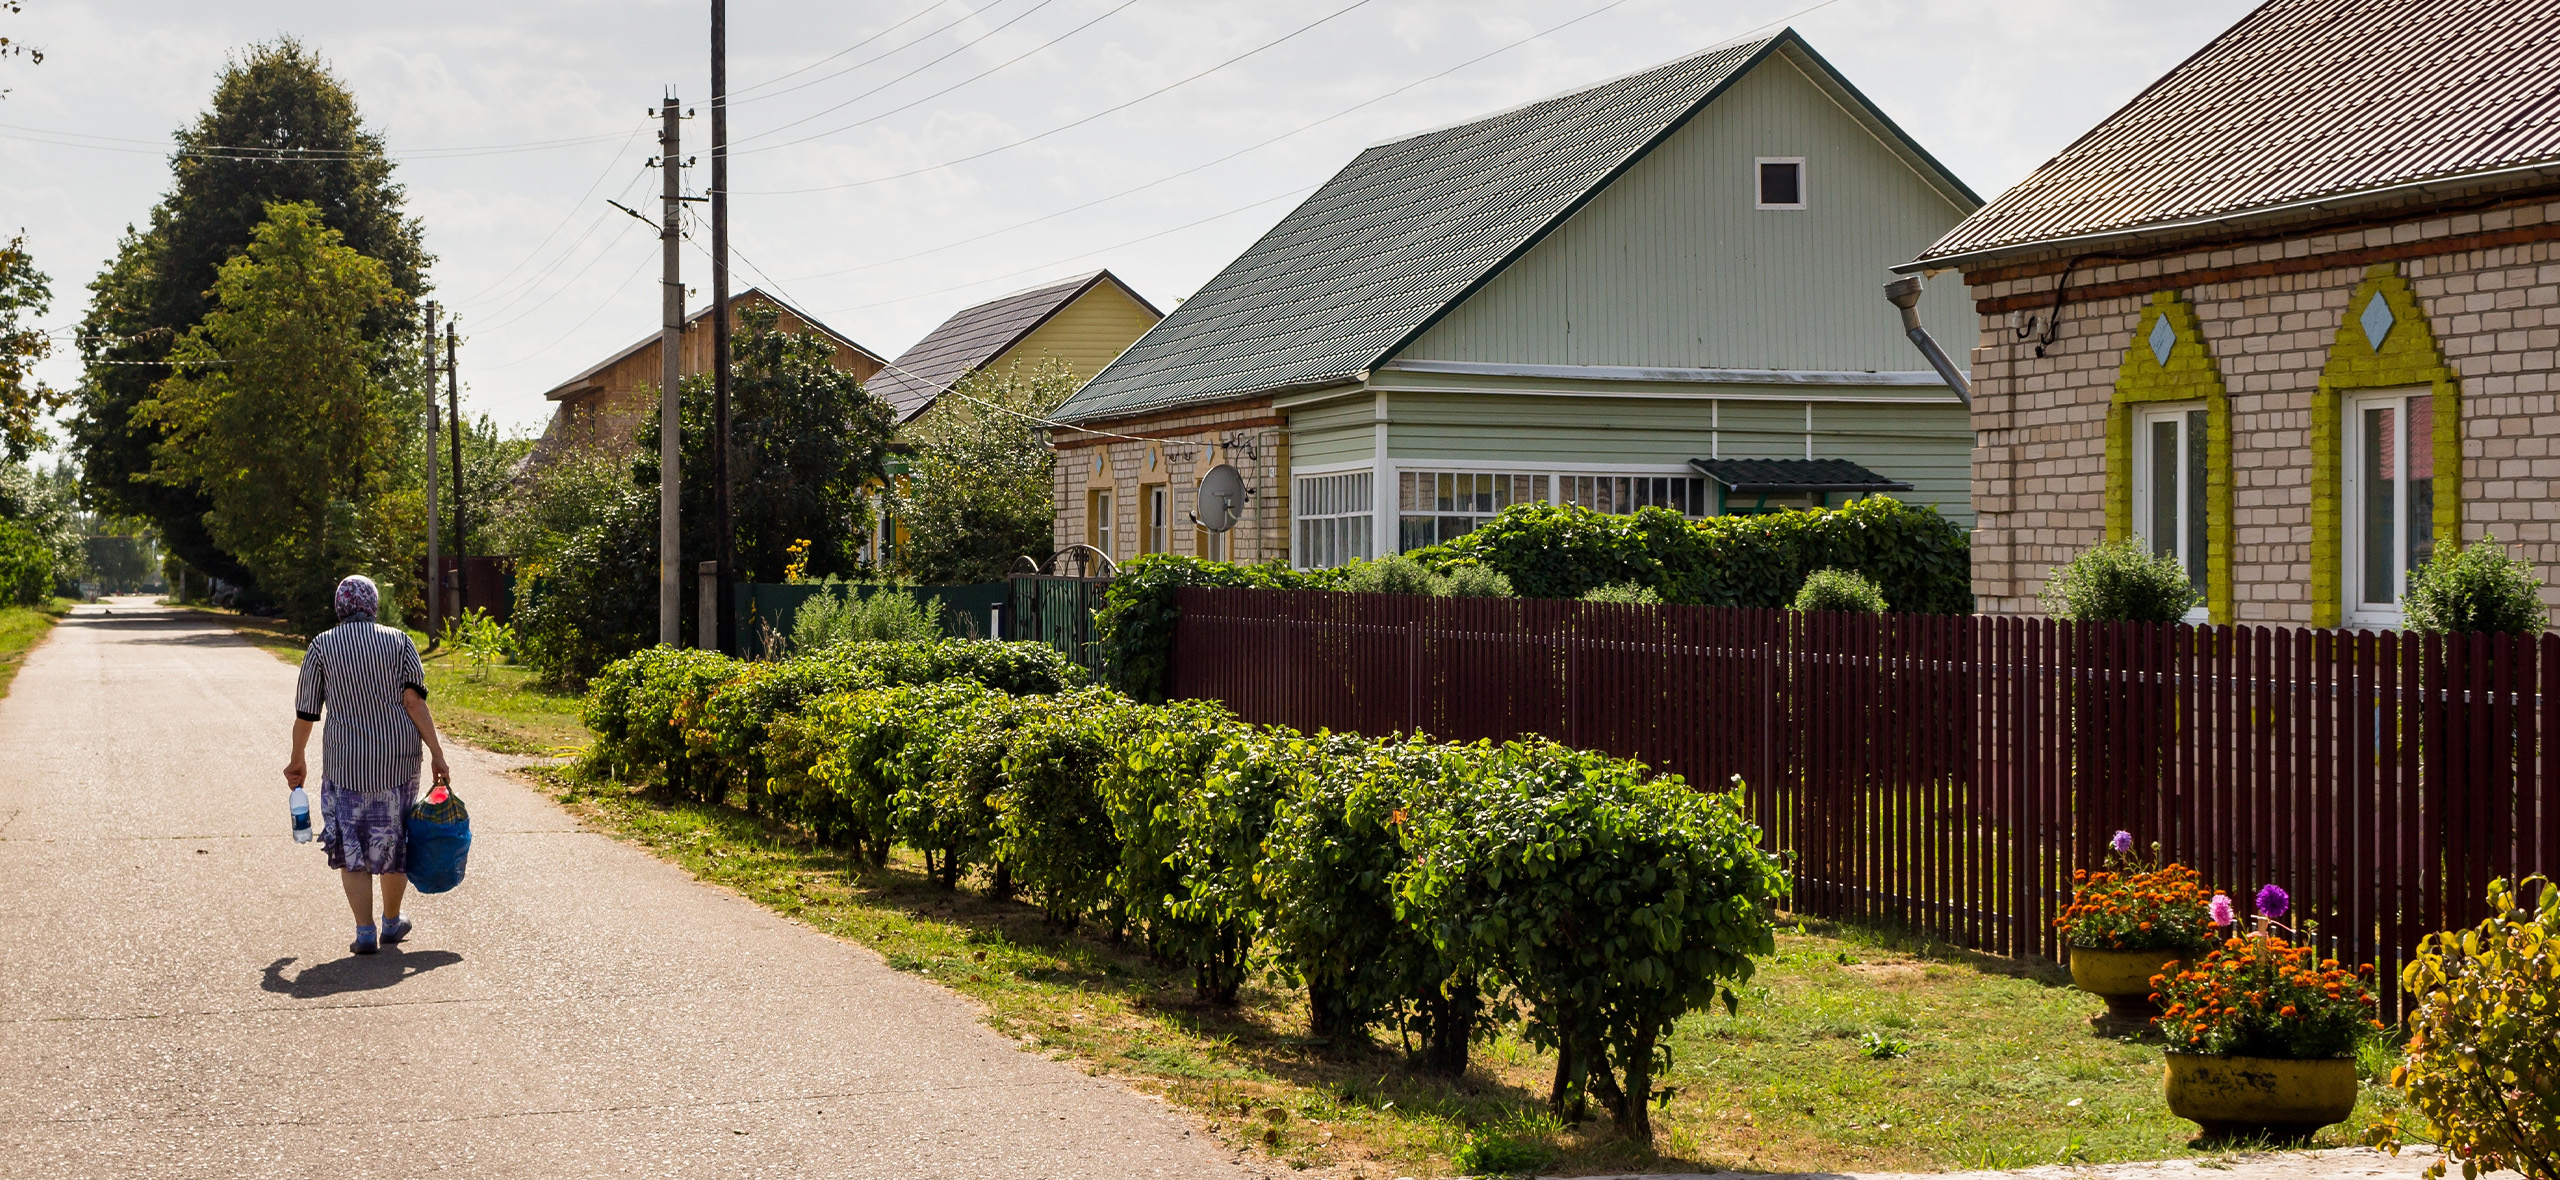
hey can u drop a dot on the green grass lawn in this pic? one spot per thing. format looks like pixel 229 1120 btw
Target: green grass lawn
pixel 502 707
pixel 1854 1049
pixel 21 629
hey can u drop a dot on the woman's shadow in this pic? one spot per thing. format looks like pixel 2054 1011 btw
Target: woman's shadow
pixel 354 973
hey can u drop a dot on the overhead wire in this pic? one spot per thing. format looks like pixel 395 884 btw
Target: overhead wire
pixel 1169 177
pixel 565 218
pixel 947 55
pixel 742 96
pixel 1068 126
pixel 265 154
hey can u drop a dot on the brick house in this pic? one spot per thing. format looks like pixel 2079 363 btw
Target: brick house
pixel 2291 315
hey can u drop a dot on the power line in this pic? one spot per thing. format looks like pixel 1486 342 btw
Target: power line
pixel 533 282
pixel 556 292
pixel 734 99
pixel 263 154
pixel 565 219
pixel 948 55
pixel 601 304
pixel 1004 147
pixel 1344 112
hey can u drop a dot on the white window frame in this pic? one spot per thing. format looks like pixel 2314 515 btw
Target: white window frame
pixel 1802 193
pixel 1333 518
pixel 2353 488
pixel 2189 460
pixel 1099 513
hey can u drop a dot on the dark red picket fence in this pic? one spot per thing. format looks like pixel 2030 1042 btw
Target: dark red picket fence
pixel 1949 773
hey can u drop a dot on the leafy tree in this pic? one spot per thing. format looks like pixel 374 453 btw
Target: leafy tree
pixel 23 404
pixel 288 131
pixel 535 516
pixel 276 413
pixel 40 546
pixel 11 47
pixel 978 494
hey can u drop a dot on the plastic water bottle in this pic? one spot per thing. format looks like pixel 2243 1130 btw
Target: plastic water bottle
pixel 300 806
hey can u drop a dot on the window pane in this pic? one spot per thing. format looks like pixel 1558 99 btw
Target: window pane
pixel 2198 532
pixel 1414 532
pixel 1410 497
pixel 2164 487
pixel 1780 184
pixel 2379 529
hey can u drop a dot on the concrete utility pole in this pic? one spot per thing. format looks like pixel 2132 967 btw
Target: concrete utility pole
pixel 671 376
pixel 461 536
pixel 727 549
pixel 435 567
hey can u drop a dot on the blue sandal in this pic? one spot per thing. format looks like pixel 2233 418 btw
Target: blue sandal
pixel 395 930
pixel 364 943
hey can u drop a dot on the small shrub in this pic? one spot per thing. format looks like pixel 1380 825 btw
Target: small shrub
pixel 1055 833
pixel 1161 755
pixel 1391 575
pixel 483 642
pixel 1493 1152
pixel 840 613
pixel 1626 592
pixel 1876 1046
pixel 2475 588
pixel 2120 582
pixel 2483 1063
pixel 1839 590
pixel 1474 581
pixel 640 707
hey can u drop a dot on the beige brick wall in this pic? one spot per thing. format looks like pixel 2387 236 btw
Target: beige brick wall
pixel 1175 450
pixel 2040 422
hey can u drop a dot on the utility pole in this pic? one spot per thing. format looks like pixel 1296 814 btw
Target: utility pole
pixel 461 537
pixel 727 551
pixel 435 566
pixel 670 378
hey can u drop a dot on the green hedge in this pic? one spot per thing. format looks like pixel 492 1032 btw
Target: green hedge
pixel 1430 885
pixel 1920 559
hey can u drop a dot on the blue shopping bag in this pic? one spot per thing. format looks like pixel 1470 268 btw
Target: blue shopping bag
pixel 439 841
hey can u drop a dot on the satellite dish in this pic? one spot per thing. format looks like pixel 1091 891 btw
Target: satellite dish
pixel 1220 500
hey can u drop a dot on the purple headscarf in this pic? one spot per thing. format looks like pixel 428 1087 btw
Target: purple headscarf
pixel 358 599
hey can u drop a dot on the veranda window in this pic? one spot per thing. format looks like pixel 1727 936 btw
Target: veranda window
pixel 1336 518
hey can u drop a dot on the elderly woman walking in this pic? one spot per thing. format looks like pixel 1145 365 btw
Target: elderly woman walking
pixel 368 679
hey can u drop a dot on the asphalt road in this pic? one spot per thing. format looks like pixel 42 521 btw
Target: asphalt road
pixel 177 998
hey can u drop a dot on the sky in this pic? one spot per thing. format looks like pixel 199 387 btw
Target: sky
pixel 894 161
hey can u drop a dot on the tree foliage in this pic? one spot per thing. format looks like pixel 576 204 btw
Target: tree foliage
pixel 977 495
pixel 276 414
pixel 288 132
pixel 24 401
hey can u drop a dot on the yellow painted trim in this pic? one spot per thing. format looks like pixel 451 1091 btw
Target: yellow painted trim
pixel 2189 375
pixel 2409 356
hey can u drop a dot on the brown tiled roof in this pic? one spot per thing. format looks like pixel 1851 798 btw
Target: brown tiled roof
pixel 975 336
pixel 2302 102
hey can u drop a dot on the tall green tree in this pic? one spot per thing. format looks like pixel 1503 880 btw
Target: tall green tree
pixel 24 401
pixel 280 128
pixel 276 415
pixel 978 493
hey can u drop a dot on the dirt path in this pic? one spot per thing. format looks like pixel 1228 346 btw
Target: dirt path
pixel 177 999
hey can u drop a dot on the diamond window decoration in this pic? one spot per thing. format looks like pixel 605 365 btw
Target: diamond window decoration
pixel 2377 320
pixel 2164 339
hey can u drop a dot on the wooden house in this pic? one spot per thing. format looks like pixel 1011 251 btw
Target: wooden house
pixel 1082 323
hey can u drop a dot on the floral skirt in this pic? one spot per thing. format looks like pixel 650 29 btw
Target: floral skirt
pixel 366 833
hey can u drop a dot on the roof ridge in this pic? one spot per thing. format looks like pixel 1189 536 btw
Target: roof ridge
pixel 1517 109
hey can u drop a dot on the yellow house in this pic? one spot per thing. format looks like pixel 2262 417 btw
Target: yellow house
pixel 1084 323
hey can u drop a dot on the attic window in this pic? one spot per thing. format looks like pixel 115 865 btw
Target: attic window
pixel 1781 182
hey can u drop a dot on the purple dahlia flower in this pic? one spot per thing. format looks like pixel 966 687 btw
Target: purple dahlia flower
pixel 2123 843
pixel 2273 902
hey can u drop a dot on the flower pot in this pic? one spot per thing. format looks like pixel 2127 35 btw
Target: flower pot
pixel 2122 979
pixel 2254 1097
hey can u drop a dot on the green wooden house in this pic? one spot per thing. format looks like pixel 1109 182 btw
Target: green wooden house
pixel 1663 290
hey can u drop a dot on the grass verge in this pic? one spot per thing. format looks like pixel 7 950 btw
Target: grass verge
pixel 500 707
pixel 21 629
pixel 1854 1050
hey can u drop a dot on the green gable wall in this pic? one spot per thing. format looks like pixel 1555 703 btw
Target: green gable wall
pixel 1672 266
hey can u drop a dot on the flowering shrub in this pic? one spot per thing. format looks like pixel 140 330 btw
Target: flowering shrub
pixel 2261 996
pixel 2133 906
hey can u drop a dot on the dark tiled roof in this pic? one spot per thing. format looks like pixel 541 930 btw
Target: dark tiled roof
pixel 2303 100
pixel 973 337
pixel 1794 475
pixel 1398 235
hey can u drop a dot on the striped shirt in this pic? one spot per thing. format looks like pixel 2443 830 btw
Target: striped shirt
pixel 357 669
